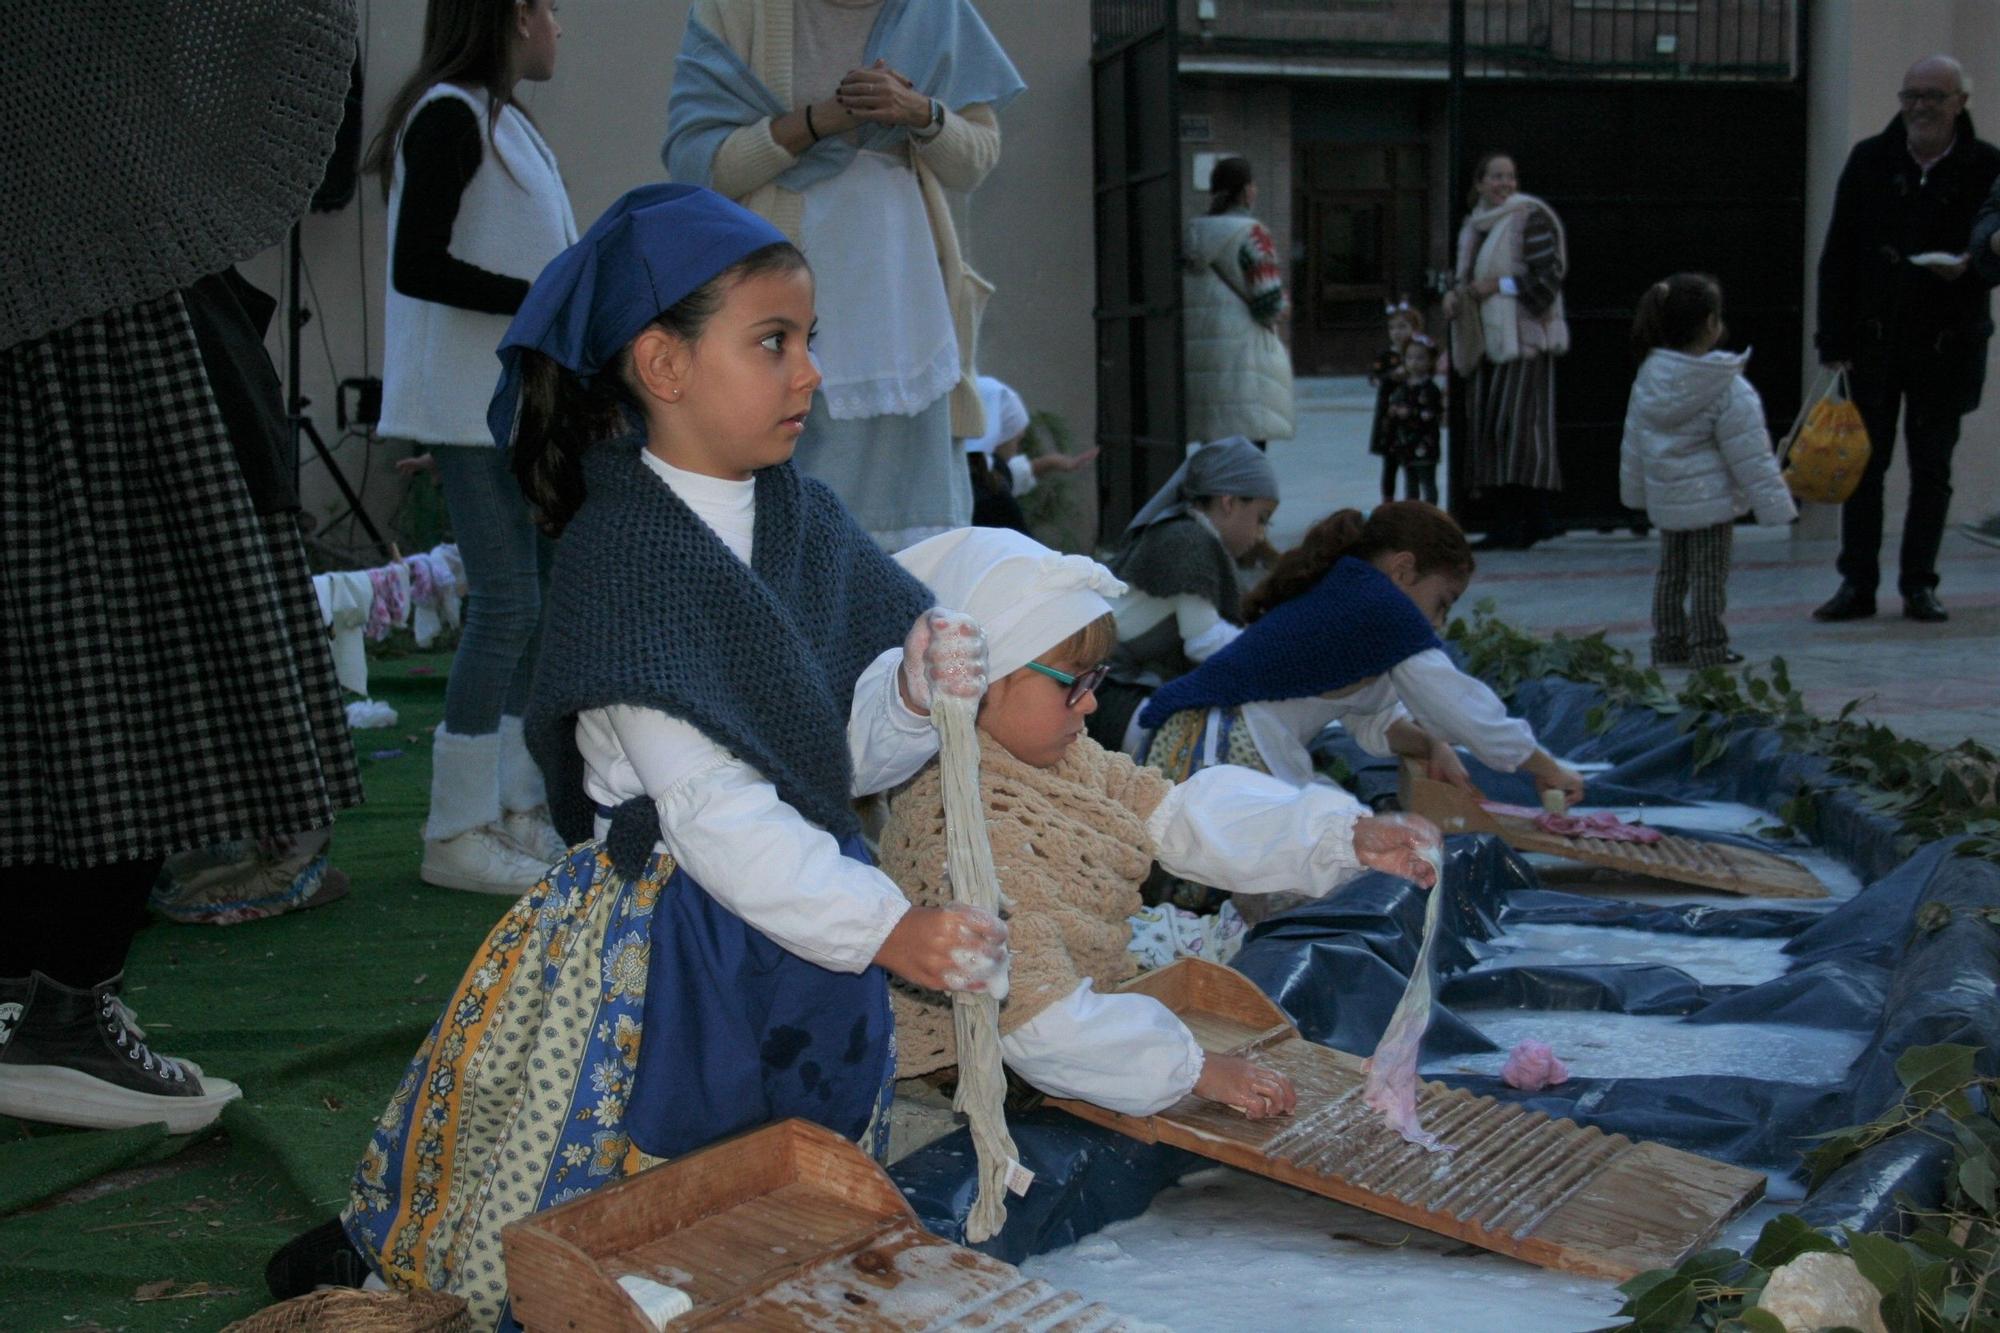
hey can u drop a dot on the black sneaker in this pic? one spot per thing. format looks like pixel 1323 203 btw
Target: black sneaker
pixel 78 1057
pixel 1850 603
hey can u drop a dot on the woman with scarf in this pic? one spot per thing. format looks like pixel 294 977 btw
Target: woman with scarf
pixel 1179 557
pixel 843 122
pixel 1507 330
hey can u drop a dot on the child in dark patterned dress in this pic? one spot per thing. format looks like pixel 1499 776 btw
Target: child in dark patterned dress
pixel 1405 323
pixel 1416 420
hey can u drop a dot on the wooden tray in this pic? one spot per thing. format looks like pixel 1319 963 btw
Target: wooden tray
pixel 1712 865
pixel 786 1227
pixel 1552 1192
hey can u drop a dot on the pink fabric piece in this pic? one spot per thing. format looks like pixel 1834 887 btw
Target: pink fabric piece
pixel 391 605
pixel 1603 824
pixel 1532 1066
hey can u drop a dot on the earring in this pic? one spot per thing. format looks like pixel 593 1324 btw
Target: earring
pixel 677 395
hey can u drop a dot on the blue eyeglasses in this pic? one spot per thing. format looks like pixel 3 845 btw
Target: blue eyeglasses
pixel 1078 685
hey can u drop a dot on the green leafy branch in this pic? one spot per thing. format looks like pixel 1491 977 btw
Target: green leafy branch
pixel 1932 793
pixel 1941 1277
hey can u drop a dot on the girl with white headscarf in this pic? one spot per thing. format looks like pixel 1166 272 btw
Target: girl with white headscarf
pixel 1075 830
pixel 1178 557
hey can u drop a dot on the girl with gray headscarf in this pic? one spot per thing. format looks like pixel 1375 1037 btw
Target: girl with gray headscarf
pixel 1179 557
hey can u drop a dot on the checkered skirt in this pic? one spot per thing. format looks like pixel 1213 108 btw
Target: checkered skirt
pixel 165 681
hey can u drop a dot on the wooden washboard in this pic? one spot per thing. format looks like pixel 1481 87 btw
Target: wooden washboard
pixel 1712 865
pixel 1552 1192
pixel 786 1227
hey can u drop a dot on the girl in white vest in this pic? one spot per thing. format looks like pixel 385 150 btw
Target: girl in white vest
pixel 1239 371
pixel 476 208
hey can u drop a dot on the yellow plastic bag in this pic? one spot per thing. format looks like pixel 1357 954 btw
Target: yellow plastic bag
pixel 1827 450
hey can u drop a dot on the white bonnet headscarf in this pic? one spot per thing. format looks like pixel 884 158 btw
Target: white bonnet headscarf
pixel 1026 597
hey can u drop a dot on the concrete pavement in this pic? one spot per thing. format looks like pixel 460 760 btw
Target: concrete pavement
pixel 1939 683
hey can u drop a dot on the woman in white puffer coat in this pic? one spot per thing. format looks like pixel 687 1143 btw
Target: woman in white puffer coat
pixel 1696 456
pixel 1239 371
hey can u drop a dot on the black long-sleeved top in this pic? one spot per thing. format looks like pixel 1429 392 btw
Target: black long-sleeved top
pixel 441 151
pixel 1873 303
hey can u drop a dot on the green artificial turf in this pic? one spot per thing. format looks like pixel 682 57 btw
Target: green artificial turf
pixel 314 1014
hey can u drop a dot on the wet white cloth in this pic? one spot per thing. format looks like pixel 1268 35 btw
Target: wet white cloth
pixel 886 346
pixel 345 597
pixel 726 824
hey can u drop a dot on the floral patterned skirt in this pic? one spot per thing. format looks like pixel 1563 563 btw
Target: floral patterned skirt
pixel 517 1100
pixel 1186 743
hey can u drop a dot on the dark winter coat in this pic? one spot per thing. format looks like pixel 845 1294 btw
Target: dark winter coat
pixel 1875 308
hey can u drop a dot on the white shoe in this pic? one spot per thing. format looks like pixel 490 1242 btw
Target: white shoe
pixel 481 861
pixel 533 834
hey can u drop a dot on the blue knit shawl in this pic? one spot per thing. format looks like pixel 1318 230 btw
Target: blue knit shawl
pixel 1355 623
pixel 646 606
pixel 942 46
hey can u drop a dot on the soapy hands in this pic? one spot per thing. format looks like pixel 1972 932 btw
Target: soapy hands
pixel 1405 845
pixel 957 947
pixel 944 653
pixel 1246 1085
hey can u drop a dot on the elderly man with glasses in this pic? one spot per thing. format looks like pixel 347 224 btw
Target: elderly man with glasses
pixel 1905 310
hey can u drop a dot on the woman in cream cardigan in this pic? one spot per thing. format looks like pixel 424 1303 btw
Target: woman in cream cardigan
pixel 844 122
pixel 1508 329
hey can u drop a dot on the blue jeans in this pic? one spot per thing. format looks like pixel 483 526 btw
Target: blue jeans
pixel 506 563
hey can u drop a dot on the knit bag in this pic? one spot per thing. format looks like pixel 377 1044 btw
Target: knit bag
pixel 1827 449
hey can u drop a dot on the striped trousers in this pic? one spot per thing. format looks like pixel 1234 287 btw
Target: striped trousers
pixel 1689 597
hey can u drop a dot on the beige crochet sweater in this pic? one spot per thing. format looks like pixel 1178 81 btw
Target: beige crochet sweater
pixel 1071 849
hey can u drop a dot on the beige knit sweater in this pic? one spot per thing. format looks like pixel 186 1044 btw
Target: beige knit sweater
pixel 1071 850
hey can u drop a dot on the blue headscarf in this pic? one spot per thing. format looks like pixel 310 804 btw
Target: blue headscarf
pixel 1355 623
pixel 654 246
pixel 942 46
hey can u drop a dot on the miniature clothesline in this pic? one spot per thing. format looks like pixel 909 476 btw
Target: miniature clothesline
pixel 422 591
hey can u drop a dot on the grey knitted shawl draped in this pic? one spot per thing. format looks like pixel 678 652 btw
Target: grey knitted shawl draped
pixel 1177 557
pixel 146 145
pixel 646 606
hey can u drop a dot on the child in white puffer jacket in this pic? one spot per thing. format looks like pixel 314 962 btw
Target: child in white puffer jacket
pixel 1696 456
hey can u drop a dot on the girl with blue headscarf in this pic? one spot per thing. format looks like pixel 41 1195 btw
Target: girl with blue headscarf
pixel 843 122
pixel 723 669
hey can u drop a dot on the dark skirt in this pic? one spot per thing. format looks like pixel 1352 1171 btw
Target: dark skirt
pixel 165 681
pixel 1511 419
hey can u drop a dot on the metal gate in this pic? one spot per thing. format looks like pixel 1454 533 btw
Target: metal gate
pixel 1136 105
pixel 1667 139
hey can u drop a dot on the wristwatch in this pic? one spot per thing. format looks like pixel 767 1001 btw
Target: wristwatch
pixel 935 123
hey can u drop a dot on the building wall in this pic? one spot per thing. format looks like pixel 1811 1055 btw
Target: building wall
pixel 1028 229
pixel 1859 50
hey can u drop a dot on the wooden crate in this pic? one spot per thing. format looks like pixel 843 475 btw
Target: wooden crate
pixel 1552 1192
pixel 786 1227
pixel 1712 865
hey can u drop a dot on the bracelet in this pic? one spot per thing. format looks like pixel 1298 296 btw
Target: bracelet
pixel 809 123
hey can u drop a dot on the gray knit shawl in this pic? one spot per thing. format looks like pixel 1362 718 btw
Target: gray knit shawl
pixel 646 606
pixel 146 145
pixel 1178 557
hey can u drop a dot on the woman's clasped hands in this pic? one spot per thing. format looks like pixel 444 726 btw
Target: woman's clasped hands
pixel 879 95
